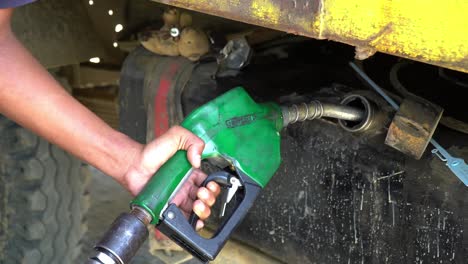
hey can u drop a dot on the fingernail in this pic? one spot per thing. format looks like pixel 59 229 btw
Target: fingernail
pixel 199 207
pixel 197 161
pixel 200 225
pixel 212 186
pixel 203 194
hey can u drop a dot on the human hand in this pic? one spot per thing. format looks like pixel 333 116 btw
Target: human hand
pixel 152 156
pixel 199 199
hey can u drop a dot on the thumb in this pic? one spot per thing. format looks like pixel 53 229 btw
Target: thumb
pixel 164 147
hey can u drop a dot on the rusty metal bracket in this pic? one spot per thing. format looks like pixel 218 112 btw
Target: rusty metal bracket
pixel 413 126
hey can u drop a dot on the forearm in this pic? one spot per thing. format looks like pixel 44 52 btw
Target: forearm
pixel 31 97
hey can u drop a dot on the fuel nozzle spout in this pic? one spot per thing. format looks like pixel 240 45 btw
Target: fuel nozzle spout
pixel 316 109
pixel 123 239
pixel 355 113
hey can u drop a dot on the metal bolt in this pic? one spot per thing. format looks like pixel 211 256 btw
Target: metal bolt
pixel 174 32
pixel 170 215
pixel 232 180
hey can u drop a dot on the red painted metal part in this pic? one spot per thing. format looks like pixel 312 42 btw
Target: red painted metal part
pixel 161 115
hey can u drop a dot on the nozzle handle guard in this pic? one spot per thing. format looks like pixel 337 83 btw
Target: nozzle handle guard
pixel 175 226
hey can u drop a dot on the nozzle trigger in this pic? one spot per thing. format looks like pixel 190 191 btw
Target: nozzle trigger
pixel 227 197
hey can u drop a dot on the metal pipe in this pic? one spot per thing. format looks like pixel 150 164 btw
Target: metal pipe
pixel 343 112
pixel 366 122
pixel 123 239
pixel 316 109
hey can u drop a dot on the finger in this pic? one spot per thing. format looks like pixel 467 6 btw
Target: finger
pixel 186 214
pixel 190 187
pixel 192 191
pixel 214 188
pixel 188 191
pixel 194 155
pixel 186 205
pixel 206 196
pixel 190 142
pixel 197 177
pixel 201 209
pixel 199 225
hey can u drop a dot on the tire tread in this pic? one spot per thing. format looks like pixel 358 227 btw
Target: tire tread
pixel 32 231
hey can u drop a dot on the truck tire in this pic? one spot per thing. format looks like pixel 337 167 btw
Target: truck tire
pixel 43 203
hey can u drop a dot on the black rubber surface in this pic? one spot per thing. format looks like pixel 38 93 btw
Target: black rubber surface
pixel 132 112
pixel 43 203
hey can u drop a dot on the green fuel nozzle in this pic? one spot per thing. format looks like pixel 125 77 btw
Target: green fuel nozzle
pixel 235 129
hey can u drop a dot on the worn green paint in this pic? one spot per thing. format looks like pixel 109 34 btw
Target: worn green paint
pixel 233 127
